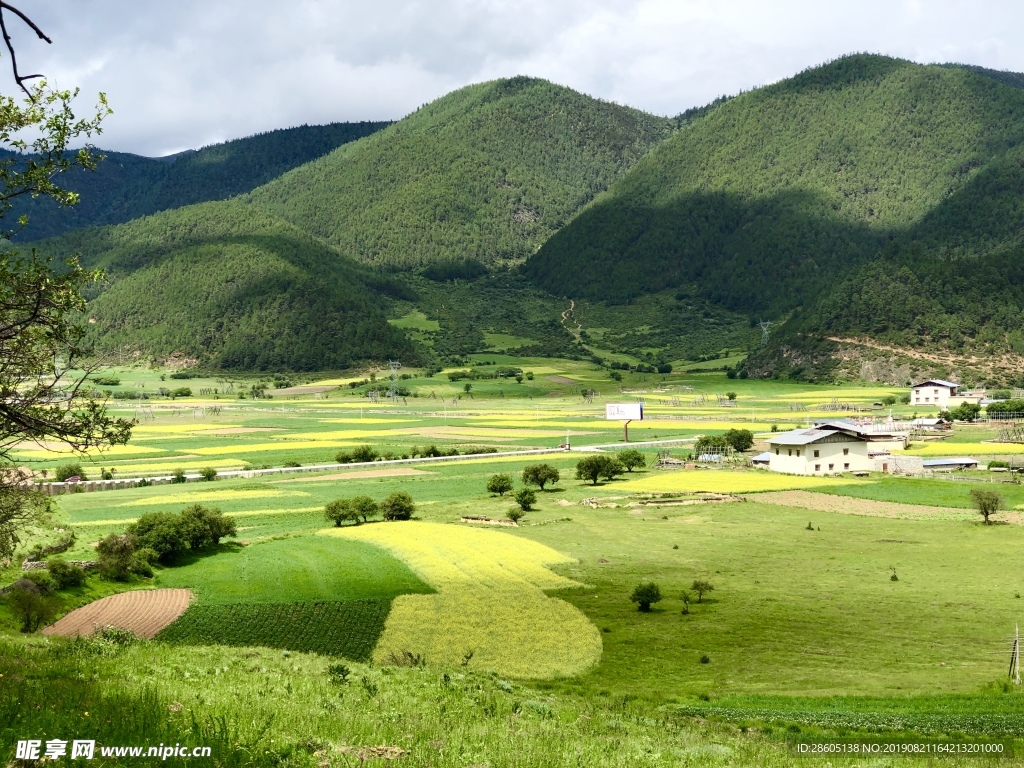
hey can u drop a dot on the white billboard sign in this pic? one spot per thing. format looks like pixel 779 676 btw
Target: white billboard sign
pixel 624 411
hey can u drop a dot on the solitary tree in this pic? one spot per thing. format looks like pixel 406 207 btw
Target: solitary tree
pixel 646 593
pixel 702 587
pixel 365 507
pixel 500 484
pixel 631 458
pixel 540 475
pixel 341 511
pixel 987 502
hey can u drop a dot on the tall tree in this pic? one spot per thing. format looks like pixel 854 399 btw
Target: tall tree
pixel 43 366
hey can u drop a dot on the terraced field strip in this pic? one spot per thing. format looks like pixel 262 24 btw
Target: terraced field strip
pixel 144 612
pixel 208 496
pixel 357 475
pixel 490 610
pixel 848 505
pixel 726 481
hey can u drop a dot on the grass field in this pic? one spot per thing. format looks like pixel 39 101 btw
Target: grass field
pixel 805 627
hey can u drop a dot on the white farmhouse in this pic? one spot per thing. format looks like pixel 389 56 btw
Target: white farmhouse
pixel 826 449
pixel 934 392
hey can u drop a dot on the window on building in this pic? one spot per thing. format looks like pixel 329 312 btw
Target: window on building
pixel 776 451
pixel 798 454
pixel 846 466
pixel 831 466
pixel 817 467
pixel 817 453
pixel 846 451
pixel 789 451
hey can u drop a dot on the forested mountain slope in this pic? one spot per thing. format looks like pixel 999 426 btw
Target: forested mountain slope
pixel 487 172
pixel 234 288
pixel 874 195
pixel 126 186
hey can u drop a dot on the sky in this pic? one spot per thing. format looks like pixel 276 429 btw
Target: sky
pixel 186 74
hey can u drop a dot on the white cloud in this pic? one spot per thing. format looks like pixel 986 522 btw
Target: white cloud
pixel 188 73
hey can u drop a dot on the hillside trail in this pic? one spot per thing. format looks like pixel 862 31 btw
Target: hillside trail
pixel 570 314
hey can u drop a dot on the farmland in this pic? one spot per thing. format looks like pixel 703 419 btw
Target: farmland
pixel 539 616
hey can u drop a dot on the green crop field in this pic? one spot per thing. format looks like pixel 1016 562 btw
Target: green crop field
pixel 805 627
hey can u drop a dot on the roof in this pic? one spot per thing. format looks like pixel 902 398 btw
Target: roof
pixel 927 422
pixel 762 458
pixel 940 382
pixel 867 432
pixel 951 461
pixel 812 435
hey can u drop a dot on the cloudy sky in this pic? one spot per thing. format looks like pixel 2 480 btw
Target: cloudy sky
pixel 188 73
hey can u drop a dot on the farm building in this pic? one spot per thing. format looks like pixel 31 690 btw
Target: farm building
pixel 820 450
pixel 883 437
pixel 762 459
pixel 943 394
pixel 935 392
pixel 951 463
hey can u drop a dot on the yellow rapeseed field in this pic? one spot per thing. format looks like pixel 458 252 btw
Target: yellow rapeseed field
pixel 186 463
pixel 283 445
pixel 725 481
pixel 490 600
pixel 114 450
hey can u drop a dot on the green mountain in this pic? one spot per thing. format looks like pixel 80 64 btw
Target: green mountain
pixel 870 196
pixel 282 277
pixel 126 186
pixel 235 288
pixel 486 173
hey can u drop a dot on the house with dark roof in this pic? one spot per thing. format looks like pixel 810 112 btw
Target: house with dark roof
pixel 824 449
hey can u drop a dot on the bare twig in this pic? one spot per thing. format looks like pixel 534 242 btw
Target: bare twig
pixel 19 78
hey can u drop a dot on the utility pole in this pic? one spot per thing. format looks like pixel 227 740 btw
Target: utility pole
pixel 393 366
pixel 1015 657
pixel 765 329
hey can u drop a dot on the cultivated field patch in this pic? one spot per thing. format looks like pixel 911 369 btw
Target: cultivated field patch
pixel 948 448
pixel 144 612
pixel 852 506
pixel 357 475
pixel 491 611
pixel 202 497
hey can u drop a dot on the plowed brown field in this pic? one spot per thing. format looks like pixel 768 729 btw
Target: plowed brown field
pixel 848 505
pixel 144 612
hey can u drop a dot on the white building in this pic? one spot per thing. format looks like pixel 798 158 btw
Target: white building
pixel 934 393
pixel 826 449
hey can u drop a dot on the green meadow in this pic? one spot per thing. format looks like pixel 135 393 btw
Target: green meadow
pixel 806 627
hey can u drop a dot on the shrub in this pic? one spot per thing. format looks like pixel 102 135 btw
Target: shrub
pixel 397 506
pixel 204 527
pixel 631 458
pixel 499 484
pixel 997 464
pixel 292 464
pixel 645 594
pixel 181 392
pixel 161 532
pixel 525 498
pixel 41 579
pixel 987 502
pixel 665 368
pixel 702 587
pixel 364 453
pixel 540 475
pixel 208 473
pixel 515 515
pixel 65 574
pixel 178 476
pixel 889 400
pixel 731 395
pixel 29 605
pixel 64 471
pixel 107 381
pixel 341 511
pixel 1000 394
pixel 710 444
pixel 119 558
pixel 598 467
pixel 739 439
pixel 343 457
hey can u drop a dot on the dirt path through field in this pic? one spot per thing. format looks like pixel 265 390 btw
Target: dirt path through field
pixel 847 505
pixel 144 612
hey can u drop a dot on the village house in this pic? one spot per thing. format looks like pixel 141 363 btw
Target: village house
pixel 943 395
pixel 825 449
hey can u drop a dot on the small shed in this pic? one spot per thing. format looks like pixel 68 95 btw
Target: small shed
pixel 762 459
pixel 950 463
